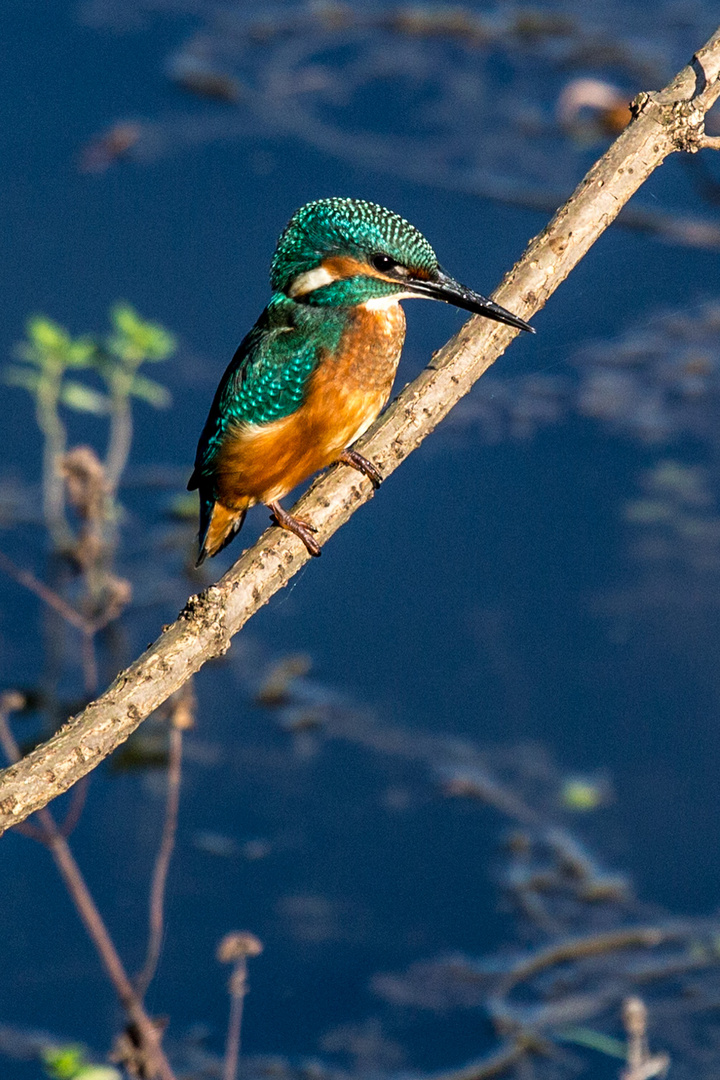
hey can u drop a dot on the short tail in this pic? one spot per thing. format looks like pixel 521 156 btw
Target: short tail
pixel 218 526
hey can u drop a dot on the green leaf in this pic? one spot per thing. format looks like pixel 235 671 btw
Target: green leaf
pixel 581 794
pixel 24 377
pixel 50 345
pixel 135 340
pixel 63 1062
pixel 70 1063
pixel 125 319
pixel 84 399
pixel 161 343
pixel 152 392
pixel 46 335
pixel 594 1040
pixel 184 506
pixel 81 352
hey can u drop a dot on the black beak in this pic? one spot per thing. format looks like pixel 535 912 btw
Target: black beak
pixel 452 292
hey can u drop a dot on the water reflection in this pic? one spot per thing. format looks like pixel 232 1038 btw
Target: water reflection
pixel 493 103
pixel 656 383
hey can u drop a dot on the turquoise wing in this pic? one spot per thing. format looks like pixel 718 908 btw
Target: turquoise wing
pixel 265 381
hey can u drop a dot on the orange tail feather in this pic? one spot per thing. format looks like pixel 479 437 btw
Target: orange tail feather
pixel 224 524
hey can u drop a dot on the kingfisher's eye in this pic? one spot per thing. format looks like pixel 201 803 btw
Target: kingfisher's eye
pixel 384 263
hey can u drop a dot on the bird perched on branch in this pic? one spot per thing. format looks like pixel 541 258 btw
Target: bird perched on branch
pixel 319 364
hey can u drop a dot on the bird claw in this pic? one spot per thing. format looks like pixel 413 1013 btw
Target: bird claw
pixel 302 529
pixel 357 461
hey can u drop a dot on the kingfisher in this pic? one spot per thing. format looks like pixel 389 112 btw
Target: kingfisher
pixel 318 366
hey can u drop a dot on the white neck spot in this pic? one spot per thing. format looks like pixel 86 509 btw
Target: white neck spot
pixel 309 281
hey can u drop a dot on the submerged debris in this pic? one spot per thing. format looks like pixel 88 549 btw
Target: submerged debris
pixel 110 146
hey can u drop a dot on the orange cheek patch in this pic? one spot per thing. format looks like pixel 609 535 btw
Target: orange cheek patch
pixel 344 266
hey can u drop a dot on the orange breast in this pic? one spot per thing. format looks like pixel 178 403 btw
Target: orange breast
pixel 261 463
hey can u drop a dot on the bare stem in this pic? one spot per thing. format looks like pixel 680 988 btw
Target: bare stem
pixel 238 987
pixel 235 948
pixel 45 593
pixel 89 663
pixel 641 1064
pixel 121 421
pixel 55 437
pixel 121 427
pixel 162 863
pixel 66 611
pixel 72 876
pixel 496 1063
pixel 77 805
pixel 573 948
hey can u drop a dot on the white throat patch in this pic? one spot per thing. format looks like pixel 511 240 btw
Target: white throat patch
pixel 383 303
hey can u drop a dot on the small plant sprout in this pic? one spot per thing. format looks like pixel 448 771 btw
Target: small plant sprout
pixel 581 794
pixel 132 343
pixel 44 359
pixel 46 363
pixel 70 1063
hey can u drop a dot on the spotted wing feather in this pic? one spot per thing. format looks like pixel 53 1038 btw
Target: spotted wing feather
pixel 266 380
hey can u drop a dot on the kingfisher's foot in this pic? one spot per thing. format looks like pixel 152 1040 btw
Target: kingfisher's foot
pixel 302 529
pixel 357 461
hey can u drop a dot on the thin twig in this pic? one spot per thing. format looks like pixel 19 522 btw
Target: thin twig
pixel 45 593
pixel 478 783
pixel 232 1039
pixel 162 863
pixel 495 1063
pixel 573 948
pixel 53 600
pixel 53 839
pixel 89 663
pixel 77 805
pixel 235 948
pixel 664 122
pixel 121 428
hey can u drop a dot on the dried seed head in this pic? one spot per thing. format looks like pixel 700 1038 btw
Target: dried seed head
pixel 182 716
pixel 86 482
pixel 237 945
pixel 12 701
pixel 182 708
pixel 634 1017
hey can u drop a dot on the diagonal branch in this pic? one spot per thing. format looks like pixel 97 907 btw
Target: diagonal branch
pixel 663 122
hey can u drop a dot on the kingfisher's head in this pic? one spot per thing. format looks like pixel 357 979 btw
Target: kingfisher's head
pixel 344 252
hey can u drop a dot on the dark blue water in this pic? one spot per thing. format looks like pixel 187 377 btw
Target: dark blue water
pixel 464 600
